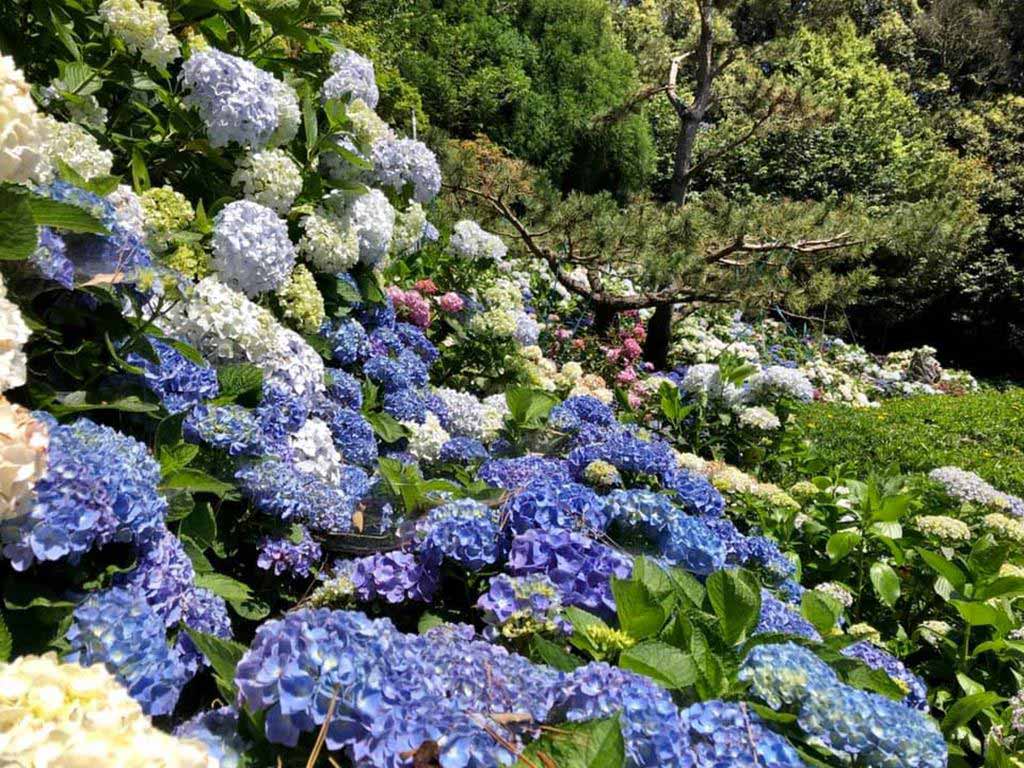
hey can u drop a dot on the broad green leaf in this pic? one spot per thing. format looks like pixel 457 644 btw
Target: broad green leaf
pixel 529 407
pixel 17 223
pixel 223 656
pixel 553 654
pixel 71 218
pixel 230 589
pixel 885 582
pixel 821 610
pixel 386 427
pixel 140 173
pixel 663 663
pixel 428 621
pixel 841 543
pixel 238 380
pixel 580 621
pixel 1006 587
pixel 978 614
pixel 736 600
pixel 591 744
pixel 6 641
pixel 640 612
pixel 197 481
pixel 175 457
pixel 966 709
pixel 944 568
pixel 862 676
pixel 200 526
pixel 77 402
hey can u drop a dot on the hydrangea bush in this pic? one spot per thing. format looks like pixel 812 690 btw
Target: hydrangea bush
pixel 296 471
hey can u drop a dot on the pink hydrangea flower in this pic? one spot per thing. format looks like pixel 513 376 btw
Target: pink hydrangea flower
pixel 563 333
pixel 426 286
pixel 631 349
pixel 626 376
pixel 612 354
pixel 451 303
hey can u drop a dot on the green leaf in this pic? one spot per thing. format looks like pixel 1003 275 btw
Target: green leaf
pixel 821 610
pixel 50 213
pixel 841 543
pixel 200 526
pixel 77 402
pixel 428 621
pixel 580 621
pixel 239 379
pixel 640 612
pixel 1006 587
pixel 6 641
pixel 663 663
pixel 736 600
pixel 196 481
pixel 230 589
pixel 944 568
pixel 966 709
pixel 223 656
pixel 978 614
pixel 687 586
pixel 529 407
pixel 253 609
pixel 863 676
pixel 386 427
pixel 175 457
pixel 140 173
pixel 309 122
pixel 17 223
pixel 886 582
pixel 592 744
pixel 553 654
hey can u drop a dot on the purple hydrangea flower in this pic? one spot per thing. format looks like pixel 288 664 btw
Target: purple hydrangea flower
pixel 877 658
pixel 51 259
pixel 397 162
pixel 352 74
pixel 520 472
pixel 550 504
pixel 464 531
pixel 231 428
pixel 178 381
pixel 283 555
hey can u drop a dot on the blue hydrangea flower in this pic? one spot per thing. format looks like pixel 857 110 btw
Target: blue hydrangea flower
pixel 205 612
pixel 395 373
pixel 231 428
pixel 281 413
pixel 353 436
pixel 347 339
pixel 394 577
pixel 728 734
pixel 625 452
pixel 217 729
pixel 415 339
pixel 463 450
pixel 764 552
pixel 398 162
pixel 51 259
pixel 100 487
pixel 407 405
pixel 550 504
pixel 178 381
pixel 236 100
pixel 344 389
pixel 579 410
pixel 878 658
pixel 163 575
pixel 578 566
pixel 277 488
pixel 120 252
pixel 519 472
pixel 252 252
pixel 776 616
pixel 650 722
pixel 282 555
pixel 514 606
pixel 118 629
pixel 695 493
pixel 464 531
pixel 352 74
pixel 864 727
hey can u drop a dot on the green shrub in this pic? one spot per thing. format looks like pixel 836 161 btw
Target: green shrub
pixel 982 432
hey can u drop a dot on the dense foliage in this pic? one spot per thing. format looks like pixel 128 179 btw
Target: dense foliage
pixel 300 465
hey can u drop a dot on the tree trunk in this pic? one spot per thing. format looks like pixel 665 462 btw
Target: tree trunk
pixel 659 335
pixel 604 315
pixel 683 160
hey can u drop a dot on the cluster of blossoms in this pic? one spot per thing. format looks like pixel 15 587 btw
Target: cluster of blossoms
pixel 947 529
pixel 837 371
pixel 24 442
pixel 284 555
pixel 13 334
pixel 352 75
pixel 270 178
pixel 514 606
pixel 77 716
pixel 470 241
pixel 143 27
pixel 251 249
pixel 968 488
pixel 23 141
pixel 465 532
pixel 176 380
pixel 847 720
pixel 77 147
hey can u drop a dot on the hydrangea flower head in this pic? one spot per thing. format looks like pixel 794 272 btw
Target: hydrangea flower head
pixel 178 381
pixel 352 74
pixel 728 733
pixel 251 249
pixel 282 555
pixel 549 504
pixel 470 241
pixel 464 531
pixel 143 27
pixel 100 487
pixel 523 605
pixel 269 177
pixel 22 143
pixel 398 162
pixel 14 332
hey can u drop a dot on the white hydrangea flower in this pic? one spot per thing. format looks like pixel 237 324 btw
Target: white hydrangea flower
pixel 14 334
pixel 494 413
pixel 373 219
pixel 426 439
pixel 837 592
pixel 270 178
pixel 327 243
pixel 251 248
pixel 527 330
pixel 76 147
pixel 470 241
pixel 128 207
pixel 23 445
pixel 286 102
pixel 143 27
pixel 23 132
pixel 944 527
pixel 702 378
pixel 292 363
pixel 366 124
pixel 758 417
pixel 966 486
pixel 315 453
pixel 775 382
pixel 469 417
pixel 353 75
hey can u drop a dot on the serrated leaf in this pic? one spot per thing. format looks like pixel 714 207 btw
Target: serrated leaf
pixel 735 597
pixel 592 744
pixel 230 589
pixel 841 543
pixel 197 481
pixel 386 427
pixel 640 613
pixel 553 654
pixel 821 610
pixel 17 223
pixel 238 380
pixel 71 218
pixel 666 665
pixel 966 709
pixel 223 656
pixel 200 526
pixel 944 568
